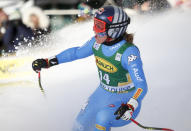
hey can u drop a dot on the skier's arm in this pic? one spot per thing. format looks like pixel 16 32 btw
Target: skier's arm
pixel 76 52
pixel 131 61
pixel 65 56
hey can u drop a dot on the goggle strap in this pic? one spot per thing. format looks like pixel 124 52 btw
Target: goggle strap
pixel 119 25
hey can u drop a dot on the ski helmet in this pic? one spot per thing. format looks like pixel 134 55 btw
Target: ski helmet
pixel 112 20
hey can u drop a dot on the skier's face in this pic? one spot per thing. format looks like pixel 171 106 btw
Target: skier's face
pixel 100 37
pixel 100 30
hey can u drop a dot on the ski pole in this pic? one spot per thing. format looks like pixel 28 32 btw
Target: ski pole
pixel 150 128
pixel 39 81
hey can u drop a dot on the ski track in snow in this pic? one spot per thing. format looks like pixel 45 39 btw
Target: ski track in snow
pixel 164 42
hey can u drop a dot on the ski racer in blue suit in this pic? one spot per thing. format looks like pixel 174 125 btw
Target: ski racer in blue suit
pixel 122 82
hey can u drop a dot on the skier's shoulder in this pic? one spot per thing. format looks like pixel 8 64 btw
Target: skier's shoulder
pixel 129 46
pixel 131 55
pixel 131 49
pixel 129 42
pixel 92 40
pixel 89 42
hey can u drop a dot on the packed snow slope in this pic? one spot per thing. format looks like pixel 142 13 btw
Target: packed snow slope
pixel 164 43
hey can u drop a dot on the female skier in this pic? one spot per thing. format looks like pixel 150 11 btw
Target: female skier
pixel 122 81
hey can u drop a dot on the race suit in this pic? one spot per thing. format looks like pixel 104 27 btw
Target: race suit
pixel 121 78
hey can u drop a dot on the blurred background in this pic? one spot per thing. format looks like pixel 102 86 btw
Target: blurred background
pixel 31 29
pixel 30 21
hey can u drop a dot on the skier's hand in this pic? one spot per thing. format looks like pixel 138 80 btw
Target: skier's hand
pixel 125 111
pixel 38 64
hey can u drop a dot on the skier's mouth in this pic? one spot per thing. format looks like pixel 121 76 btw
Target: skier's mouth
pixel 99 39
pixel 102 34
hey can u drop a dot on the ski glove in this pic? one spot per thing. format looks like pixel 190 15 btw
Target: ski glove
pixel 38 64
pixel 125 111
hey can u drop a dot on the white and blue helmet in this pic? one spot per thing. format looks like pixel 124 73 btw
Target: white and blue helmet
pixel 116 20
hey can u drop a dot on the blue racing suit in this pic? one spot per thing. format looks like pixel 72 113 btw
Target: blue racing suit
pixel 98 115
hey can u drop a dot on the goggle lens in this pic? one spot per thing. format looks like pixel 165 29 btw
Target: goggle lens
pixel 99 25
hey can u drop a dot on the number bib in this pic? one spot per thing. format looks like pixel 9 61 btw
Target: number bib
pixel 111 72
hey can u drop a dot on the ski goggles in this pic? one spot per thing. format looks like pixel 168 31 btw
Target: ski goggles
pixel 102 26
pixel 99 26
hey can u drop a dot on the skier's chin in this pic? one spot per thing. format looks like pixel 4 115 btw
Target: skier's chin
pixel 100 40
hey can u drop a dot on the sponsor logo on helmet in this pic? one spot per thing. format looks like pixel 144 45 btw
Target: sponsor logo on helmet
pixel 105 65
pixel 110 18
pixel 100 11
pixel 118 25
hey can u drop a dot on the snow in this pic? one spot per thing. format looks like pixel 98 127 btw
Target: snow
pixel 164 42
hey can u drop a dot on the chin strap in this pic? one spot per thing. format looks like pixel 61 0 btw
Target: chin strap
pixel 111 41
